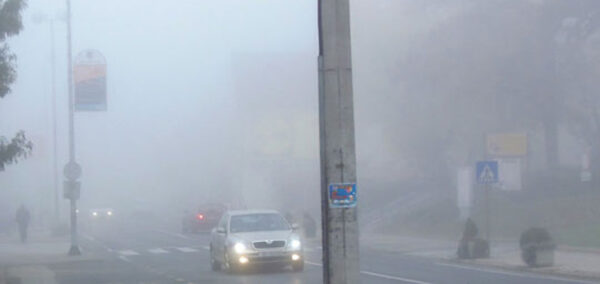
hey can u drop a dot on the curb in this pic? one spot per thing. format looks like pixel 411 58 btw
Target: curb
pixel 579 249
pixel 544 271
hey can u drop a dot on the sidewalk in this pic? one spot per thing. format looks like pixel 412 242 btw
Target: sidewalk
pixel 505 254
pixel 26 263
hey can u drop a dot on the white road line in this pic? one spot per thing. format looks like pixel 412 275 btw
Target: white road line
pixel 124 258
pixel 174 234
pixel 92 239
pixel 127 252
pixel 206 248
pixel 184 249
pixel 157 250
pixel 390 277
pixel 393 277
pixel 516 274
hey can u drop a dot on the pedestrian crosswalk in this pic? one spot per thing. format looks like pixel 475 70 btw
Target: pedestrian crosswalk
pixel 168 250
pixel 156 251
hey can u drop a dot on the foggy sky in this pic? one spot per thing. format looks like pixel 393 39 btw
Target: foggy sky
pixel 171 94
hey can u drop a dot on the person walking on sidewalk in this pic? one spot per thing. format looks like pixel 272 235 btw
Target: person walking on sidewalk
pixel 23 218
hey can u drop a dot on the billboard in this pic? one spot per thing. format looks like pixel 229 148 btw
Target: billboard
pixel 89 76
pixel 507 144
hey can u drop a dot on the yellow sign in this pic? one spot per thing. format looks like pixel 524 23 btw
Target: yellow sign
pixel 507 144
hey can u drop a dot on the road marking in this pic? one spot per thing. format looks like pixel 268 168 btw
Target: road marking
pixel 206 248
pixel 516 274
pixel 184 249
pixel 174 234
pixel 390 277
pixel 127 252
pixel 124 258
pixel 393 277
pixel 92 239
pixel 157 250
pixel 313 263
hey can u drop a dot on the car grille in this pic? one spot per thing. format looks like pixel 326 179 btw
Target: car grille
pixel 266 245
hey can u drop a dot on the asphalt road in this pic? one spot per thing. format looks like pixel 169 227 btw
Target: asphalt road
pixel 145 254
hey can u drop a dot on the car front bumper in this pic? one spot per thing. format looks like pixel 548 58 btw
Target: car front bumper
pixel 270 257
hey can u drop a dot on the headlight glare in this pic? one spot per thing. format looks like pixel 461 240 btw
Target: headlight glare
pixel 239 248
pixel 295 244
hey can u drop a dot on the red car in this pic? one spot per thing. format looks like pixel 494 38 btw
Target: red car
pixel 204 219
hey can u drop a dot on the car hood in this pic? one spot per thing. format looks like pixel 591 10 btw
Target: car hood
pixel 263 235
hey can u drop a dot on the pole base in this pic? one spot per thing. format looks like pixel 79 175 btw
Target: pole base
pixel 74 250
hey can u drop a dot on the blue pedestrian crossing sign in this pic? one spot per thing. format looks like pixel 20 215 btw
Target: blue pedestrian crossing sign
pixel 487 172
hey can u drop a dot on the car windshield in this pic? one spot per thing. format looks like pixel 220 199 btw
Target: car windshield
pixel 258 222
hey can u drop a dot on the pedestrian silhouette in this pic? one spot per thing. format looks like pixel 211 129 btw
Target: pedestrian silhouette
pixel 22 219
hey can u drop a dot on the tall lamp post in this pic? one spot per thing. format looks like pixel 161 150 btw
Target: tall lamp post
pixel 72 170
pixel 39 18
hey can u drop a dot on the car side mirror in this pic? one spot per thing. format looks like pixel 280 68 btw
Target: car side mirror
pixel 221 231
pixel 295 226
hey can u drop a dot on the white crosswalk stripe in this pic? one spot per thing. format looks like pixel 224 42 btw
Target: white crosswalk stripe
pixel 128 252
pixel 157 251
pixel 185 249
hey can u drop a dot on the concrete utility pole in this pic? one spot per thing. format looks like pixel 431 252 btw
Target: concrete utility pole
pixel 72 170
pixel 338 159
pixel 54 127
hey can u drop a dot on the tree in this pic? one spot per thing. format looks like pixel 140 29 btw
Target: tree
pixel 10 25
pixel 578 63
pixel 492 67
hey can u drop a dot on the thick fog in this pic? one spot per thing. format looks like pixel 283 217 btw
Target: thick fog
pixel 207 102
pixel 217 101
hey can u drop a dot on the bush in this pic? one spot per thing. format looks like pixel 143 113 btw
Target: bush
pixel 532 242
pixel 537 237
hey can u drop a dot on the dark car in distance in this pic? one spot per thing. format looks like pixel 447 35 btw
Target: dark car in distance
pixel 202 220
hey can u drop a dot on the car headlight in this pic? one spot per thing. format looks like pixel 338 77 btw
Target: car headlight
pixel 239 248
pixel 109 213
pixel 295 244
pixel 95 214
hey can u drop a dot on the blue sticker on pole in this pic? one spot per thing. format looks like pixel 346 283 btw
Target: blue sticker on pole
pixel 487 172
pixel 342 195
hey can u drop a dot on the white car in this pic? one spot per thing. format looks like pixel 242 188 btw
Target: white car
pixel 244 238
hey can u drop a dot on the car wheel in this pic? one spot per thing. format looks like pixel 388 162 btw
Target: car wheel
pixel 215 265
pixel 298 266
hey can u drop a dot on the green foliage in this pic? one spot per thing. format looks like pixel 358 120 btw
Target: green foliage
pixel 10 25
pixel 10 17
pixel 536 237
pixel 7 70
pixel 532 242
pixel 10 152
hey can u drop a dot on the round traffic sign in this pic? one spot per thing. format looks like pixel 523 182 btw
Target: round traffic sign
pixel 72 171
